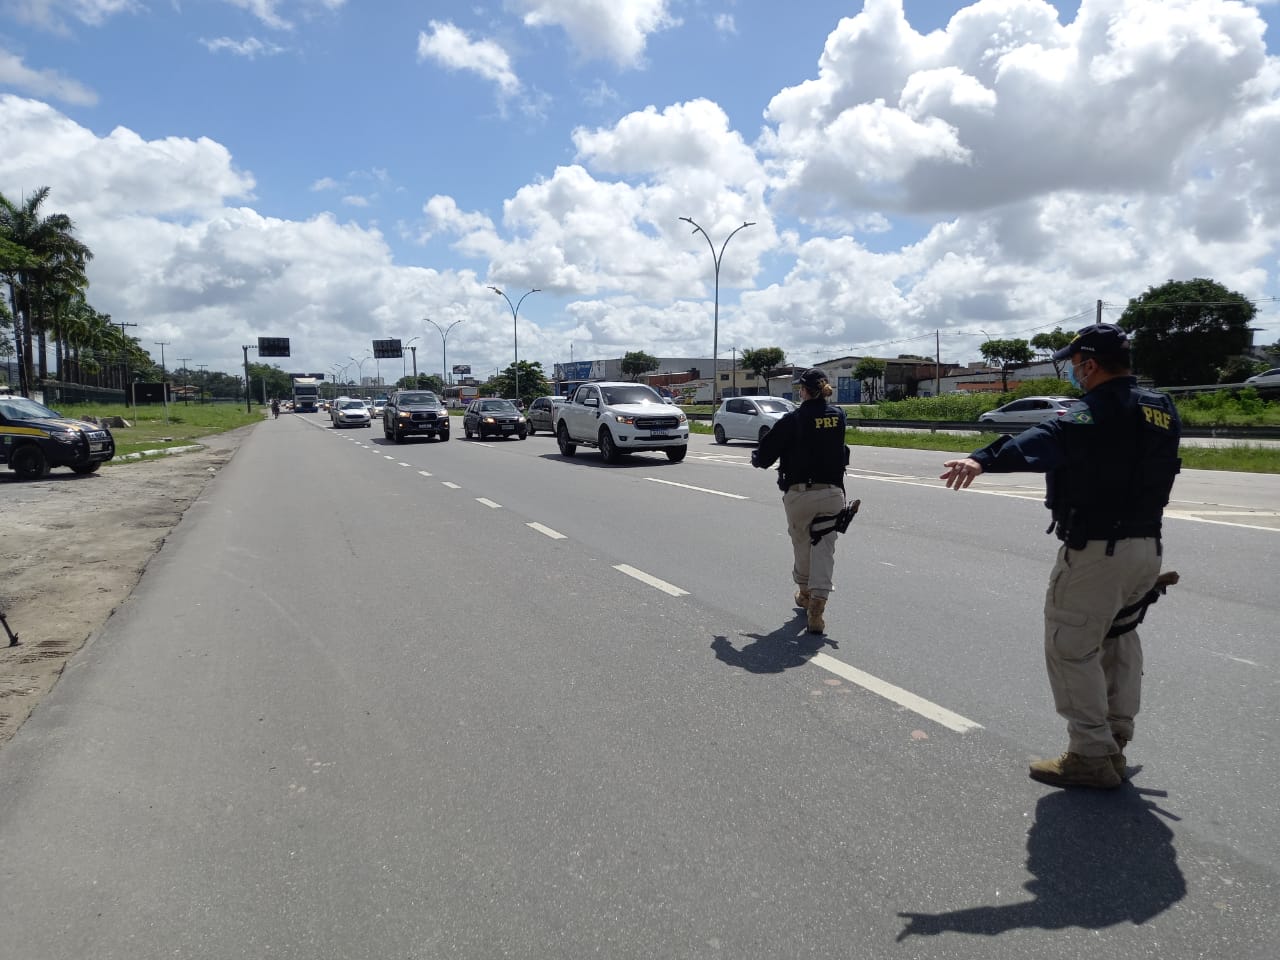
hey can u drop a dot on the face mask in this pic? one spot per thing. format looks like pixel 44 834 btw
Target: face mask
pixel 1072 379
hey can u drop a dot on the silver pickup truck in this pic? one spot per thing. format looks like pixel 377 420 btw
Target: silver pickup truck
pixel 621 418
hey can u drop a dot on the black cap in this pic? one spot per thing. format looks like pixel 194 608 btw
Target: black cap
pixel 1095 340
pixel 813 379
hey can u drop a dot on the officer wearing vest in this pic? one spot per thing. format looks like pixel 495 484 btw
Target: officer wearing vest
pixel 809 441
pixel 1110 465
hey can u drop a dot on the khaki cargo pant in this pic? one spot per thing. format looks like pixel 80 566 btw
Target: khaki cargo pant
pixel 1096 682
pixel 814 563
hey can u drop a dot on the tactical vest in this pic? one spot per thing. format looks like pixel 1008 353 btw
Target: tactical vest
pixel 1119 470
pixel 818 454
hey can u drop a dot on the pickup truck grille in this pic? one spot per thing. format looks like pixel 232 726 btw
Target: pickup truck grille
pixel 427 415
pixel 657 423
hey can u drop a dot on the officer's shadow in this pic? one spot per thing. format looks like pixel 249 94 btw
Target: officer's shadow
pixel 788 646
pixel 1098 858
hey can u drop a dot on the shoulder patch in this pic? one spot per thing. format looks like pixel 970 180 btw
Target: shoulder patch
pixel 1081 416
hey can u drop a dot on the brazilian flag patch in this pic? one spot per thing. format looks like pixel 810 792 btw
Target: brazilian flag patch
pixel 1081 416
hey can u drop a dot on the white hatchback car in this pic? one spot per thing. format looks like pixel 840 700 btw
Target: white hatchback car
pixel 1267 378
pixel 350 413
pixel 748 418
pixel 1029 411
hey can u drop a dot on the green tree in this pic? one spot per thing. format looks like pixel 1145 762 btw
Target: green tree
pixel 533 383
pixel 1046 343
pixel 52 269
pixel 1185 330
pixel 425 381
pixel 869 372
pixel 1273 353
pixel 279 383
pixel 762 361
pixel 1236 369
pixel 637 363
pixel 1005 353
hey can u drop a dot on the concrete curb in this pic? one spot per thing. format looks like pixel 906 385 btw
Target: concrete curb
pixel 163 452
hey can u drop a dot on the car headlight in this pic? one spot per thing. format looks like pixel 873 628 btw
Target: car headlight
pixel 405 415
pixel 621 419
pixel 65 436
pixel 682 418
pixel 488 420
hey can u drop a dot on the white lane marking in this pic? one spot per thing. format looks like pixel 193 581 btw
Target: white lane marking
pixel 904 698
pixel 1179 515
pixel 424 473
pixel 451 486
pixel 488 503
pixel 403 464
pixel 650 580
pixel 547 531
pixel 387 457
pixel 689 486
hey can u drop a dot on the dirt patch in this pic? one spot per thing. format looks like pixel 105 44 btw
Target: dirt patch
pixel 73 548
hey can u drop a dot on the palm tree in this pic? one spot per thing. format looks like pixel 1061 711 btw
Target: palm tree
pixel 37 289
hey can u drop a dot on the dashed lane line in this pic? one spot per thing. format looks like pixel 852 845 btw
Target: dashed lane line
pixel 424 473
pixel 651 580
pixel 403 464
pixel 451 486
pixel 689 486
pixel 547 531
pixel 489 503
pixel 904 698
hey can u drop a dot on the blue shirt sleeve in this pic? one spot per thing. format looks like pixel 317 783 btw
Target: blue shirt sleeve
pixel 1038 449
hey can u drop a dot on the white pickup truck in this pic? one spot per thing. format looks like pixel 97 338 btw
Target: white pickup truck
pixel 621 418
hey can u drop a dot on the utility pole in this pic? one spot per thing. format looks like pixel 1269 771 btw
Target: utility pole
pixel 187 380
pixel 128 385
pixel 1099 311
pixel 937 363
pixel 248 384
pixel 203 377
pixel 163 372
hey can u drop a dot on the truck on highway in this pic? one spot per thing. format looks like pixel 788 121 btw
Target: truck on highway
pixel 306 394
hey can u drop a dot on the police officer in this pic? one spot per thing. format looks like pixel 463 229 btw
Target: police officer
pixel 1110 464
pixel 810 443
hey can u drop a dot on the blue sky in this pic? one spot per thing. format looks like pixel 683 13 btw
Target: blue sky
pixel 336 170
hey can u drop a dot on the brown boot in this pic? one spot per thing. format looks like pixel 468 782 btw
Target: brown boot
pixel 1074 770
pixel 815 609
pixel 802 598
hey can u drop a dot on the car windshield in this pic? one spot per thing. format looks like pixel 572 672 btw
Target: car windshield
pixel 351 405
pixel 636 394
pixel 20 408
pixel 497 406
pixel 773 406
pixel 418 398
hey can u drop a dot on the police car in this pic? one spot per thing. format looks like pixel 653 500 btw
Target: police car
pixel 34 439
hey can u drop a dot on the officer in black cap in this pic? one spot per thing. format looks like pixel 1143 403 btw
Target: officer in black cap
pixel 1110 465
pixel 810 443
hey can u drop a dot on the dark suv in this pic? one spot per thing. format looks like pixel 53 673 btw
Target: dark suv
pixel 413 412
pixel 34 439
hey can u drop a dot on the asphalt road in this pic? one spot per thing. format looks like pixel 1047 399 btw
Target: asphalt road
pixel 478 700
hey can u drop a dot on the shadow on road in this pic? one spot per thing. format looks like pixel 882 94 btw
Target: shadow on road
pixel 788 646
pixel 1099 858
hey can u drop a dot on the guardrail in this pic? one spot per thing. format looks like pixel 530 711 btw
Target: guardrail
pixel 933 426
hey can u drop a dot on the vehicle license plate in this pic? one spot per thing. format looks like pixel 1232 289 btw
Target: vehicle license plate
pixel 97 447
pixel 508 427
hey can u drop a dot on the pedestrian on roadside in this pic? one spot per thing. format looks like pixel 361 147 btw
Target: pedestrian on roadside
pixel 1110 464
pixel 809 441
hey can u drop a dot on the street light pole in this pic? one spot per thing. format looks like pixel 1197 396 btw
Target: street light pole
pixel 444 347
pixel 186 383
pixel 515 336
pixel 715 330
pixel 360 367
pixel 414 351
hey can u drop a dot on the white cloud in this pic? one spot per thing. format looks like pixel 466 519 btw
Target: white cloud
pixel 1006 103
pixel 355 200
pixel 251 47
pixel 453 49
pixel 43 83
pixel 614 30
pixel 324 183
pixel 265 11
pixel 725 23
pixel 53 14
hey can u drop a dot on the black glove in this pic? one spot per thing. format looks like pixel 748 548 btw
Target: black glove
pixel 755 458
